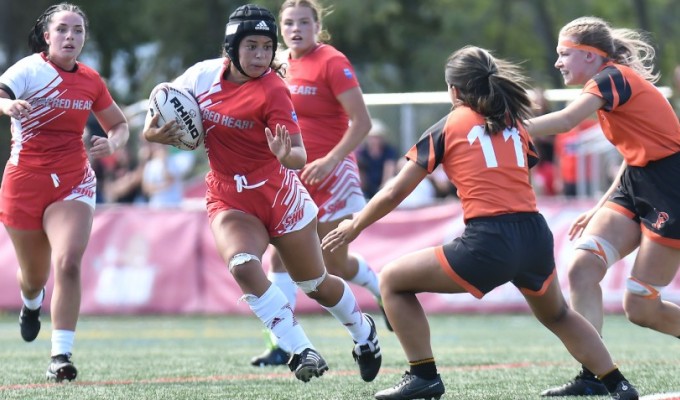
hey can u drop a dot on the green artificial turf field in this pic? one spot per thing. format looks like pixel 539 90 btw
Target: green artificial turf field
pixel 180 357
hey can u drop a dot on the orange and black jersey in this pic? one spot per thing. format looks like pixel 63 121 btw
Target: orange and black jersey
pixel 491 172
pixel 636 117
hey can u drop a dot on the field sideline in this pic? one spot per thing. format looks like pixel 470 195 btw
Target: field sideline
pixel 170 357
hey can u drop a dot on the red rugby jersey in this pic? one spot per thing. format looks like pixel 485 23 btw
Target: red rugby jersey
pixel 235 115
pixel 315 80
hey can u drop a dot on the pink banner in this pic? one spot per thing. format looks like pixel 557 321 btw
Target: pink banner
pixel 143 260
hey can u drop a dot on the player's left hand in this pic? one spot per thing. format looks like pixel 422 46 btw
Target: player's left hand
pixel 101 147
pixel 340 236
pixel 318 170
pixel 280 144
pixel 579 225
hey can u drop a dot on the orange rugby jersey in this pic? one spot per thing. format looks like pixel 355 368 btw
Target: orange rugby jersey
pixel 315 80
pixel 491 172
pixel 636 117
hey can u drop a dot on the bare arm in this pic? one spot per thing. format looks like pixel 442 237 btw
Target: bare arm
pixel 613 186
pixel 114 123
pixel 386 200
pixel 288 149
pixel 352 102
pixel 565 119
pixel 389 170
pixel 579 225
pixel 16 109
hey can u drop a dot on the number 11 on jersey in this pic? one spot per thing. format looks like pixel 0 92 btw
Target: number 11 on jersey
pixel 478 133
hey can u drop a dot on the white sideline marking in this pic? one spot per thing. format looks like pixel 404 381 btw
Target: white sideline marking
pixel 662 396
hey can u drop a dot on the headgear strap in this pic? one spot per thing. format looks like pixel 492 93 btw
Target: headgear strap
pixel 249 19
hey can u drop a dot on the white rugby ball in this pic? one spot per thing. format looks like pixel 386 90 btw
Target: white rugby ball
pixel 175 103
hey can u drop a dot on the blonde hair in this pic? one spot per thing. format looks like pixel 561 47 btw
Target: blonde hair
pixel 623 46
pixel 318 12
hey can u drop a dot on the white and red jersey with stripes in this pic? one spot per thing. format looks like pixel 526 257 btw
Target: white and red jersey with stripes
pixel 51 138
pixel 235 115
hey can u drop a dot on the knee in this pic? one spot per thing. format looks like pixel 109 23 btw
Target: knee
pixel 641 302
pixel 33 283
pixel 237 264
pixel 592 258
pixel 311 287
pixel 67 266
pixel 638 311
pixel 557 317
pixel 585 270
pixel 387 279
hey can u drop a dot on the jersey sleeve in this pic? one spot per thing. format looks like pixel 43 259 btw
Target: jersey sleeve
pixel 15 79
pixel 279 109
pixel 187 80
pixel 340 75
pixel 532 153
pixel 104 100
pixel 428 152
pixel 610 85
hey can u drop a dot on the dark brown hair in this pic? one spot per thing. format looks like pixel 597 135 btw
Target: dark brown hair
pixel 36 37
pixel 490 86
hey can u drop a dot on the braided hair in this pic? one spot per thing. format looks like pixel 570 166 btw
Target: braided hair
pixel 36 37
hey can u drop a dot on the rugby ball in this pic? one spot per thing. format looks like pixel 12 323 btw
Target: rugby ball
pixel 175 103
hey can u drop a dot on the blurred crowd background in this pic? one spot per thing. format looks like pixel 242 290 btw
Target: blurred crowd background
pixel 398 48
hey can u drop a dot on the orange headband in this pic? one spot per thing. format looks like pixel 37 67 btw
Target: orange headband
pixel 572 45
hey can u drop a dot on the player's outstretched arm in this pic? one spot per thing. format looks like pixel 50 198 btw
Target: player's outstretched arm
pixel 386 200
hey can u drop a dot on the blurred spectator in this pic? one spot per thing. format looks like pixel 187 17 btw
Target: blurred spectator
pixel 377 159
pixel 164 174
pixel 445 188
pixel 567 148
pixel 676 90
pixel 123 179
pixel 543 174
pixel 99 165
pixel 424 194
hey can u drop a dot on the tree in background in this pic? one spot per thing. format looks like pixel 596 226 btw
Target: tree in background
pixel 396 45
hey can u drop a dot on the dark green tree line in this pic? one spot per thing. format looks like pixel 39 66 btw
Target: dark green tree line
pixel 395 45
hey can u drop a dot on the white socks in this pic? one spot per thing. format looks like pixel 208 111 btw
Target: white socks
pixel 62 341
pixel 347 311
pixel 286 284
pixel 289 289
pixel 33 304
pixel 365 276
pixel 273 310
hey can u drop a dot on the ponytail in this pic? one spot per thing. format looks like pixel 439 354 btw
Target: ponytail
pixel 36 37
